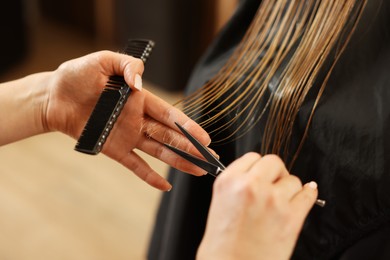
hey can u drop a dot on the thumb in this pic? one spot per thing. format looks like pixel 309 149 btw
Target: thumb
pixel 127 66
pixel 303 201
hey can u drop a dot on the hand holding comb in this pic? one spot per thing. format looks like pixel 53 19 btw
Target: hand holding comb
pixel 110 103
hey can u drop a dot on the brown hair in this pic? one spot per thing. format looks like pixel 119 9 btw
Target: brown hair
pixel 292 40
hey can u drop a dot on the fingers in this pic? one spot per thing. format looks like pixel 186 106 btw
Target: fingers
pixel 269 168
pixel 132 69
pixel 164 134
pixel 158 150
pixel 288 186
pixel 123 65
pixel 304 200
pixel 154 138
pixel 137 165
pixel 243 164
pixel 136 128
pixel 166 114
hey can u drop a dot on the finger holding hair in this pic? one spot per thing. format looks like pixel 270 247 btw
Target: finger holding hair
pixel 303 202
pixel 243 164
pixel 269 168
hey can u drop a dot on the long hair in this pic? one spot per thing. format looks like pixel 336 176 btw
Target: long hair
pixel 298 42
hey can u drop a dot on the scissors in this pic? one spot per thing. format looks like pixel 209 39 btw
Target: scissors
pixel 213 166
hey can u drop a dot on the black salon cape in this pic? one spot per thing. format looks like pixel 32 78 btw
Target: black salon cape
pixel 347 152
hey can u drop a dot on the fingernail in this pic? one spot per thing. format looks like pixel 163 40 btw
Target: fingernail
pixel 312 185
pixel 138 82
pixel 169 189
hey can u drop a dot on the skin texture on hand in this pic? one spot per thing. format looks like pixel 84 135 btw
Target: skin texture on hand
pixel 257 211
pixel 145 123
pixel 63 100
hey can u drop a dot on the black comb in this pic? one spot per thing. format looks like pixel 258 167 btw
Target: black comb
pixel 110 103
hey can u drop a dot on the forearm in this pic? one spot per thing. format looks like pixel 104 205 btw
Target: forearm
pixel 22 103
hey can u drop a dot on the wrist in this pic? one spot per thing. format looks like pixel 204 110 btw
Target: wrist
pixel 40 94
pixel 24 102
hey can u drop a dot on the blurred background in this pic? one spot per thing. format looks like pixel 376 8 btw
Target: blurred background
pixel 56 203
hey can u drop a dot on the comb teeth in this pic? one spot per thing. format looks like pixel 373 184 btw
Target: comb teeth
pixel 140 49
pixel 110 103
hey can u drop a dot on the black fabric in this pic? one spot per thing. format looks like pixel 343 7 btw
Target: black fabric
pixel 347 151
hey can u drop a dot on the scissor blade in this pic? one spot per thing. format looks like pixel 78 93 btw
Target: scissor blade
pixel 208 167
pixel 201 148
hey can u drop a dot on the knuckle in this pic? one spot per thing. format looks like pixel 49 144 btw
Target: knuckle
pixel 159 151
pixel 129 162
pixel 296 181
pixel 101 56
pixel 132 65
pixel 274 201
pixel 223 182
pixel 275 161
pixel 269 197
pixel 167 113
pixel 246 191
pixel 273 158
pixel 252 155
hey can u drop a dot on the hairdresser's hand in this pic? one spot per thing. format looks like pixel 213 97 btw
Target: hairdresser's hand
pixel 257 211
pixel 146 121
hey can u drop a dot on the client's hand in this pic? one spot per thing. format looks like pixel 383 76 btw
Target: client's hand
pixel 257 211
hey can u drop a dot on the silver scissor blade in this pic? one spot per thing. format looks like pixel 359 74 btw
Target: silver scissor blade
pixel 212 169
pixel 201 148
